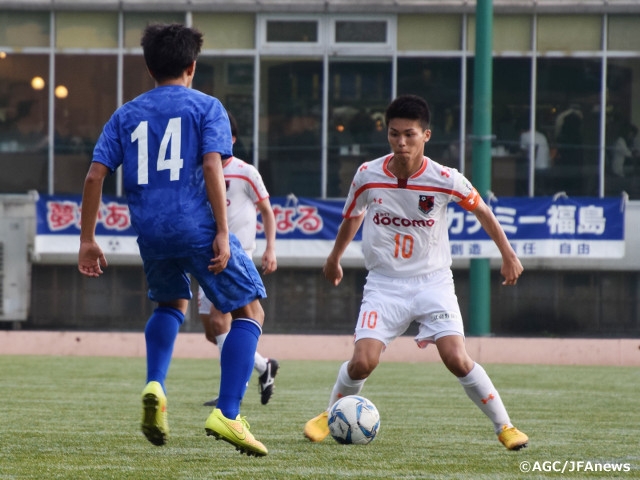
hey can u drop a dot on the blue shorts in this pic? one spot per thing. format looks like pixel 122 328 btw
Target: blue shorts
pixel 236 286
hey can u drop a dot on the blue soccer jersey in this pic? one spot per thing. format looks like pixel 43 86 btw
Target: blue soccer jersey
pixel 159 138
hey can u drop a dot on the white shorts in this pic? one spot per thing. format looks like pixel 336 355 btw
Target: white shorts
pixel 390 305
pixel 204 304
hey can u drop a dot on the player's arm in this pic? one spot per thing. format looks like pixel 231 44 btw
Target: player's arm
pixel 91 259
pixel 269 262
pixel 217 195
pixel 348 228
pixel 511 266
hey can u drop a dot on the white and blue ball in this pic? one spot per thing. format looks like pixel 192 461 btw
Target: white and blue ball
pixel 354 420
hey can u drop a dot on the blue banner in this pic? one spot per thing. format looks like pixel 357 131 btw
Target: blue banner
pixel 536 227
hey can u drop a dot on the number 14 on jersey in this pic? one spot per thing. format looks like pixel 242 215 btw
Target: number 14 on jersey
pixel 174 163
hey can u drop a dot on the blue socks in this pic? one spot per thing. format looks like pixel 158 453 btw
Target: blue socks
pixel 236 363
pixel 160 335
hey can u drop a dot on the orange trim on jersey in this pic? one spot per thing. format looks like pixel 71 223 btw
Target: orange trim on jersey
pixel 386 171
pixel 471 202
pixel 225 163
pixel 251 184
pixel 420 171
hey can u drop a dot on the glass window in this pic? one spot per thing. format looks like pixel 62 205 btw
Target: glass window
pixel 136 79
pixel 136 22
pixel 86 30
pixel 568 114
pixel 569 32
pixel 24 115
pixel 81 81
pixel 437 80
pixel 429 32
pixel 361 31
pixel 359 92
pixel 622 159
pixel 511 95
pixel 623 33
pixel 231 79
pixel 226 30
pixel 290 126
pixel 22 29
pixel 302 31
pixel 511 107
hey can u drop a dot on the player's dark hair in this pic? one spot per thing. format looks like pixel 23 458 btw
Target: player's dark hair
pixel 411 107
pixel 234 125
pixel 169 49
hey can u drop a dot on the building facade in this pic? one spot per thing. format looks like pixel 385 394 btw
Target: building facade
pixel 308 82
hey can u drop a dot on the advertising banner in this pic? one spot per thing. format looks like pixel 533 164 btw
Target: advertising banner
pixel 540 227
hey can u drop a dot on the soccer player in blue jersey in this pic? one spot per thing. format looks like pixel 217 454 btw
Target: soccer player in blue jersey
pixel 170 142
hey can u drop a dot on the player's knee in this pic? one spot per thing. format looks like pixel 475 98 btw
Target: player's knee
pixel 220 323
pixel 211 337
pixel 252 310
pixel 360 368
pixel 458 363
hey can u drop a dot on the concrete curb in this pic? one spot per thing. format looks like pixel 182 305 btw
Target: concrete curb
pixel 547 351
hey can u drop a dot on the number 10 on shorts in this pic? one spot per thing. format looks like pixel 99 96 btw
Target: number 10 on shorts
pixel 369 320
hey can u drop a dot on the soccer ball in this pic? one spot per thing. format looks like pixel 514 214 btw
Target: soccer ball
pixel 354 420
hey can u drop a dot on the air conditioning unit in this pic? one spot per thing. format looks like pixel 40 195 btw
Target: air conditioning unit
pixel 17 227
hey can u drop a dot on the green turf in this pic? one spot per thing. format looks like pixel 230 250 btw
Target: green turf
pixel 78 418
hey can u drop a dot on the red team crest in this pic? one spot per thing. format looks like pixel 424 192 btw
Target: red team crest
pixel 425 203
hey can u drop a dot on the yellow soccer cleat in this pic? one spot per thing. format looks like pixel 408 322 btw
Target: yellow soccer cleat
pixel 512 438
pixel 236 432
pixel 317 429
pixel 154 414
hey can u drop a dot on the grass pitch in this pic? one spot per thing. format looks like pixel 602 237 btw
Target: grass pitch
pixel 79 418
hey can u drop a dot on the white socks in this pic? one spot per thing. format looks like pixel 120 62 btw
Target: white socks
pixel 481 391
pixel 476 384
pixel 220 340
pixel 345 385
pixel 260 363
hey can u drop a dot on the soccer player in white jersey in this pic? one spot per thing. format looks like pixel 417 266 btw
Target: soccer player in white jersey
pixel 402 199
pixel 170 142
pixel 245 193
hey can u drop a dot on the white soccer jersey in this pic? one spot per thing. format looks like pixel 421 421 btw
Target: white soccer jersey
pixel 405 228
pixel 245 188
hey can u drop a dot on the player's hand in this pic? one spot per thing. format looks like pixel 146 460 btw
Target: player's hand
pixel 221 252
pixel 269 262
pixel 91 260
pixel 511 270
pixel 333 272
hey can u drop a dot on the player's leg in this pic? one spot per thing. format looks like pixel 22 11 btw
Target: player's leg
pixel 219 325
pixel 237 289
pixel 383 316
pixel 205 310
pixel 236 363
pixel 170 288
pixel 237 357
pixel 352 374
pixel 350 380
pixel 267 369
pixel 480 389
pixel 216 326
pixel 441 323
pixel 160 334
